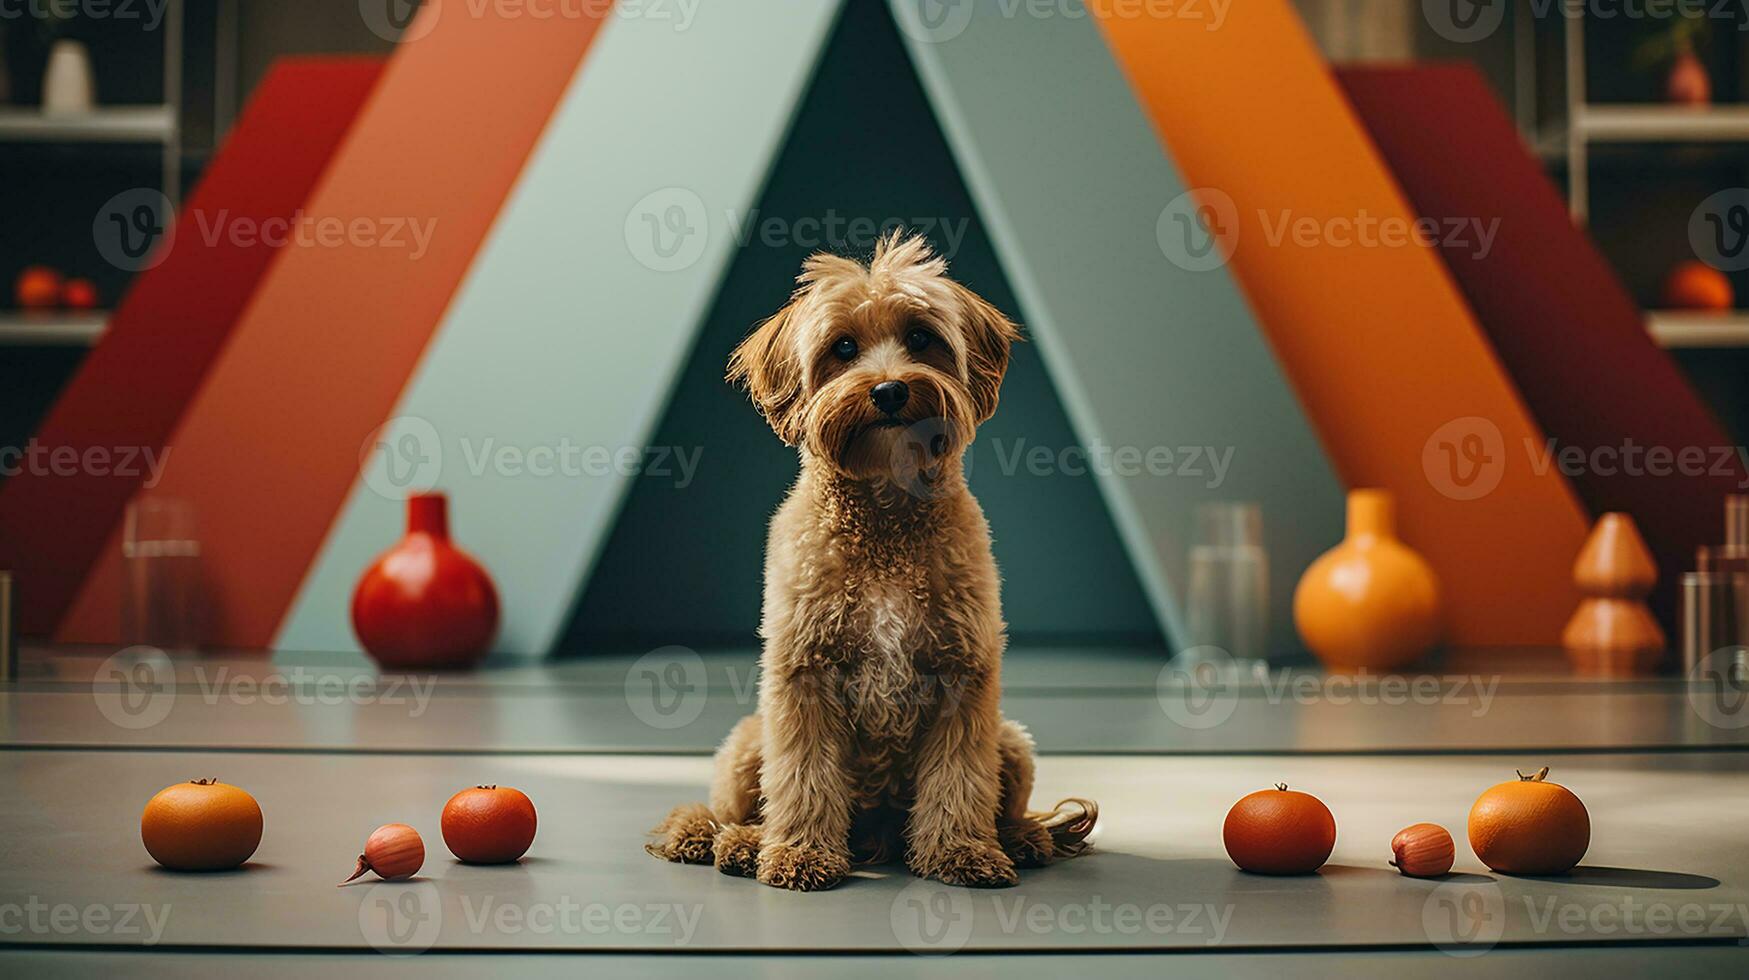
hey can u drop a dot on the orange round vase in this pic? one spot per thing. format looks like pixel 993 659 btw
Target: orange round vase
pixel 1370 603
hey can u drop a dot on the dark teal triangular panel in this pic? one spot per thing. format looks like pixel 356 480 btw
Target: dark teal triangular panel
pixel 683 564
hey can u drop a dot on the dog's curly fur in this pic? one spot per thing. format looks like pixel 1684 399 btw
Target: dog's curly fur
pixel 878 733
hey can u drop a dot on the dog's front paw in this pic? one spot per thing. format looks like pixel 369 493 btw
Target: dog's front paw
pixel 737 850
pixel 802 869
pixel 971 865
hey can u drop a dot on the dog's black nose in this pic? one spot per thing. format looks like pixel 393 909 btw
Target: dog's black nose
pixel 890 396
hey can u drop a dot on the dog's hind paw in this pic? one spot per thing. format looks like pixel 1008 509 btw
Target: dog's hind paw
pixel 802 869
pixel 971 865
pixel 685 836
pixel 737 849
pixel 1026 842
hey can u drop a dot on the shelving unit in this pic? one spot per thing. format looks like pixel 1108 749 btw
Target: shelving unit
pixel 52 329
pixel 1680 329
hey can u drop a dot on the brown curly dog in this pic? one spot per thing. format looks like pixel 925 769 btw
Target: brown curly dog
pixel 878 732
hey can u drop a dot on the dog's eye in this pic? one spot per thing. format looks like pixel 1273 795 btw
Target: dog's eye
pixel 918 339
pixel 845 349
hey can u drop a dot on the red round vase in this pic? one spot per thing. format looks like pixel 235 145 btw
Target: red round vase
pixel 425 604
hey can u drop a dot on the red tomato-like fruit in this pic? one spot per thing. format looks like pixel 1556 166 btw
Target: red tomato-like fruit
pixel 37 288
pixel 79 294
pixel 488 824
pixel 1279 832
pixel 425 604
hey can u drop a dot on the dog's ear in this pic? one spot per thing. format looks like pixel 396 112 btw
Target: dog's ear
pixel 989 335
pixel 767 366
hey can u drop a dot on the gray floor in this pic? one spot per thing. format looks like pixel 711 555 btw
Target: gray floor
pixel 331 753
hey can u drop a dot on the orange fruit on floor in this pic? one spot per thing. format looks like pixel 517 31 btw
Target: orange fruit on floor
pixel 1279 832
pixel 202 825
pixel 1530 826
pixel 1694 285
pixel 488 824
pixel 37 288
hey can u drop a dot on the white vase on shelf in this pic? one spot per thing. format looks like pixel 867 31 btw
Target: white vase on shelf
pixel 68 84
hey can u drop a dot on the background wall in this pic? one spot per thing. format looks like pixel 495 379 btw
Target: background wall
pixel 1065 576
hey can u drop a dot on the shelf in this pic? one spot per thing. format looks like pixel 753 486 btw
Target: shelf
pixel 112 124
pixel 52 329
pixel 1684 329
pixel 1654 123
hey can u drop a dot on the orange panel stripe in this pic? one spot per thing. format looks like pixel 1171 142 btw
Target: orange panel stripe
pixel 270 444
pixel 1401 384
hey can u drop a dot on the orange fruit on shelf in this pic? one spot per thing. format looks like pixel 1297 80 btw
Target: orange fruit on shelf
pixel 1694 285
pixel 488 824
pixel 38 287
pixel 1530 826
pixel 79 294
pixel 1279 832
pixel 202 825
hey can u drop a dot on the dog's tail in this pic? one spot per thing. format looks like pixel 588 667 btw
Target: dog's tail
pixel 1070 824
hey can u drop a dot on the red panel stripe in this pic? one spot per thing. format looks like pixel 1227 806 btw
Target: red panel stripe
pixel 130 391
pixel 270 446
pixel 1571 336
